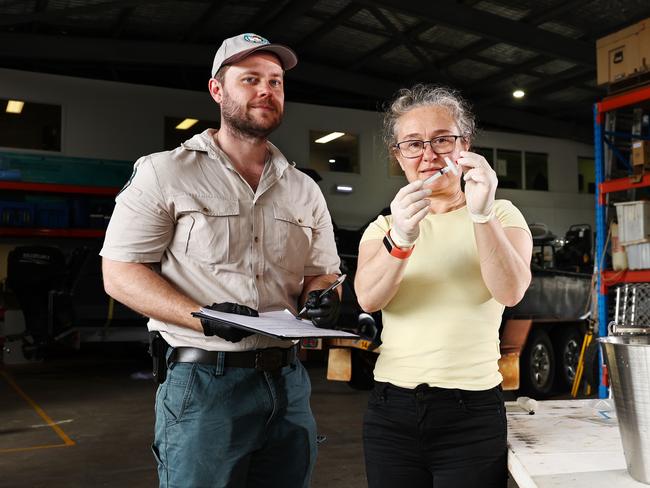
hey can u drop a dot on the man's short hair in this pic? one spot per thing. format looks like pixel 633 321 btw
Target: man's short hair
pixel 220 75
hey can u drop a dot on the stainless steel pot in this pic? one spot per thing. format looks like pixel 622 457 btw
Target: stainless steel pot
pixel 628 363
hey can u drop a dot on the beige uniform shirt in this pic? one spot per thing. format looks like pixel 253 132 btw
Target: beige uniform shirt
pixel 219 241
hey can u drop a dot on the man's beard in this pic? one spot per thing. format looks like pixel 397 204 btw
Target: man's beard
pixel 246 126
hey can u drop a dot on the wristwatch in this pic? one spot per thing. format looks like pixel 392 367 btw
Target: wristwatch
pixel 393 250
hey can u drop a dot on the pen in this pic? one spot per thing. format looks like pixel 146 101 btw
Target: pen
pixel 336 283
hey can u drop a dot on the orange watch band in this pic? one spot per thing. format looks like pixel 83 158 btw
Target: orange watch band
pixel 395 251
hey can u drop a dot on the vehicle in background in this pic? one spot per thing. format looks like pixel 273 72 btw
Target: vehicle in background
pixel 51 300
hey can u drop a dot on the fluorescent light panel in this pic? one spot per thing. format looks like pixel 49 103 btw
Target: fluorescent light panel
pixel 329 137
pixel 186 124
pixel 518 93
pixel 15 106
pixel 344 189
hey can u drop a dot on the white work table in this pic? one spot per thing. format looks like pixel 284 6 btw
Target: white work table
pixel 567 443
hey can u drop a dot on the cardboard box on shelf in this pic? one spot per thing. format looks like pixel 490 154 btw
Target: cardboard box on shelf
pixel 623 53
pixel 641 153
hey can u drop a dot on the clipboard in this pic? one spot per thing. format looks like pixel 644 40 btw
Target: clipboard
pixel 280 324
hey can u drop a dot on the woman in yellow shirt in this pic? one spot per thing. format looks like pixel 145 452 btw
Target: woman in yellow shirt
pixel 441 268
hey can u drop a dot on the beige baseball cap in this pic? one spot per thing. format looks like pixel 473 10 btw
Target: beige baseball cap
pixel 237 48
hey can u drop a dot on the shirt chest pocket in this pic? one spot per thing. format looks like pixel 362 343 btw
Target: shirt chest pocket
pixel 293 229
pixel 208 228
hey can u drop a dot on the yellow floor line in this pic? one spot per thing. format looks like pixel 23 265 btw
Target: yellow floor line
pixel 64 437
pixel 33 448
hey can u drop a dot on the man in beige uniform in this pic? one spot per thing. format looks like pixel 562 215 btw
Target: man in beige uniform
pixel 224 219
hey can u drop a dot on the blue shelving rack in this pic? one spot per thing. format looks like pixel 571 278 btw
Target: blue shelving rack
pixel 607 278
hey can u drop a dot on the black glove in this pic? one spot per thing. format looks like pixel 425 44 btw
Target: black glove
pixel 366 327
pixel 323 312
pixel 225 331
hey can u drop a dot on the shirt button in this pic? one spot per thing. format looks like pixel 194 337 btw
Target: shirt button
pixel 256 239
pixel 206 209
pixel 300 221
pixel 257 277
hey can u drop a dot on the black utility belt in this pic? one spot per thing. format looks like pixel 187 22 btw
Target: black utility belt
pixel 270 359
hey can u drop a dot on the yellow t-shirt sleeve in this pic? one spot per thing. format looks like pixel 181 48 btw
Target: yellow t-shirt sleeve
pixel 510 216
pixel 377 229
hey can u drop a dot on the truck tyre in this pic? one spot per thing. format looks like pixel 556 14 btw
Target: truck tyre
pixel 591 372
pixel 538 365
pixel 568 343
pixel 363 365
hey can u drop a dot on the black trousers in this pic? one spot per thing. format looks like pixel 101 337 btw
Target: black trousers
pixel 435 437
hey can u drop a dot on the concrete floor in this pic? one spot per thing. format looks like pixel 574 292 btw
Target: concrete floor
pixel 107 412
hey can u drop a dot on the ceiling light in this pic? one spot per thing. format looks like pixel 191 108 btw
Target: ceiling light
pixel 14 106
pixel 329 137
pixel 332 161
pixel 186 124
pixel 344 189
pixel 518 93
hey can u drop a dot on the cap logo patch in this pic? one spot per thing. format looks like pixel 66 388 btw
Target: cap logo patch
pixel 255 39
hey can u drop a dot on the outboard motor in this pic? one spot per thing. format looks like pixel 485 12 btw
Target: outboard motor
pixel 32 272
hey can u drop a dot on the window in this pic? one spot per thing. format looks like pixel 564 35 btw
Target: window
pixel 508 168
pixel 175 136
pixel 536 171
pixel 335 151
pixel 586 175
pixel 486 152
pixel 29 125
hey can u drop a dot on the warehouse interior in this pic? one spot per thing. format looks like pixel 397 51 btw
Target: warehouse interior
pixel 561 92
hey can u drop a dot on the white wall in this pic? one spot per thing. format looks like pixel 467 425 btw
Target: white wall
pixel 122 121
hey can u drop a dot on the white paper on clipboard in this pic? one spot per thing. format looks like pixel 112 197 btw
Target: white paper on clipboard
pixel 281 324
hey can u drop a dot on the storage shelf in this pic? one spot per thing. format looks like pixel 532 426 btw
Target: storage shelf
pixel 58 188
pixel 621 184
pixel 41 232
pixel 620 100
pixel 607 278
pixel 611 277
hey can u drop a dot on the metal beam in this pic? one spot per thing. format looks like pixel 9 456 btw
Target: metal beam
pixel 403 39
pixel 102 50
pixel 465 52
pixel 500 29
pixel 488 82
pixel 122 19
pixel 541 15
pixel 49 15
pixel 519 120
pixel 561 80
pixel 41 5
pixel 307 43
pixel 344 80
pixel 211 12
pixel 149 54
pixel 393 42
pixel 284 18
pixel 535 17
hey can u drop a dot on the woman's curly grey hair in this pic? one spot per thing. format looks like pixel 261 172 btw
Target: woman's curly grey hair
pixel 424 95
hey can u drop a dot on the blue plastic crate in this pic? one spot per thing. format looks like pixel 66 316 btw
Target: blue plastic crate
pixel 16 214
pixel 52 215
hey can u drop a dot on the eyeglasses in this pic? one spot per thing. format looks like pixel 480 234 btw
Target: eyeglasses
pixel 415 148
